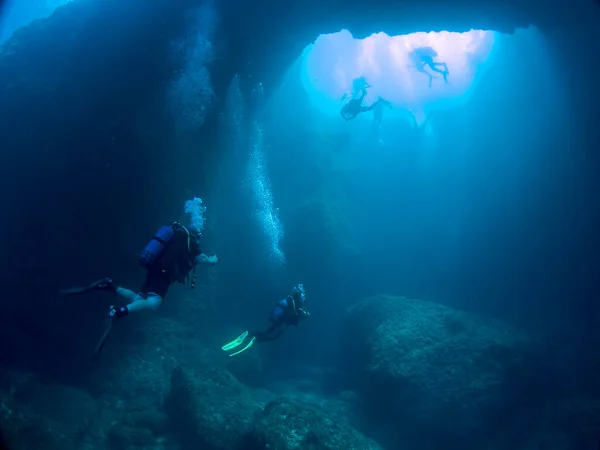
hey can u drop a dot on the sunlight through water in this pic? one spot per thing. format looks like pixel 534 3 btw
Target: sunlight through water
pixel 397 68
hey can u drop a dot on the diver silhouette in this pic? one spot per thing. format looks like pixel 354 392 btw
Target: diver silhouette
pixel 424 56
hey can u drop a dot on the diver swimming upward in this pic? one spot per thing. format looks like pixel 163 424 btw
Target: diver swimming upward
pixel 359 85
pixel 354 107
pixel 424 56
pixel 288 311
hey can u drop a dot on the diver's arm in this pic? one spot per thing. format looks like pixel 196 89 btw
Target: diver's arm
pixel 204 259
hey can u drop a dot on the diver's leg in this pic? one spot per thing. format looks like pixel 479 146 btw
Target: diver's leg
pixel 441 64
pixel 369 108
pixel 152 302
pixel 374 105
pixel 444 72
pixel 127 294
pixel 274 331
pixel 137 303
pixel 115 313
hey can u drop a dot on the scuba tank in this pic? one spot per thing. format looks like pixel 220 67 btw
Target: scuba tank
pixel 156 247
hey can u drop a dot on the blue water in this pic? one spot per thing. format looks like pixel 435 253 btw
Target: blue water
pixel 446 240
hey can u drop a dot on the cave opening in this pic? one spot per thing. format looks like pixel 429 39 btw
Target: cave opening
pixel 418 72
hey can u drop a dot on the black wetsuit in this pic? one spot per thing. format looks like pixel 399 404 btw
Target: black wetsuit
pixel 286 313
pixel 428 61
pixel 354 107
pixel 178 259
pixel 157 282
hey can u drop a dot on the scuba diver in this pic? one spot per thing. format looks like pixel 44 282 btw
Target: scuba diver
pixel 288 311
pixel 359 85
pixel 354 107
pixel 423 56
pixel 170 256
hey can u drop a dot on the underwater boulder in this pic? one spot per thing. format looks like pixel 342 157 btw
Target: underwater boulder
pixel 46 417
pixel 287 424
pixel 578 418
pixel 141 381
pixel 131 438
pixel 210 409
pixel 66 410
pixel 23 431
pixel 419 363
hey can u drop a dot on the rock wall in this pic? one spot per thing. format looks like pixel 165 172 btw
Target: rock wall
pixel 88 166
pixel 421 366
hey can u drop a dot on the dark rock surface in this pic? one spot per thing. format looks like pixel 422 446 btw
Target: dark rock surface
pixel 286 424
pixel 279 31
pixel 210 409
pixel 82 116
pixel 419 363
pixel 37 415
pixel 201 406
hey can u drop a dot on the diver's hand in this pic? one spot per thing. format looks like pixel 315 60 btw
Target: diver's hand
pixel 212 260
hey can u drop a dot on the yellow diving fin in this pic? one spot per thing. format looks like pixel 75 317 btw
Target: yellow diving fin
pixel 246 347
pixel 236 342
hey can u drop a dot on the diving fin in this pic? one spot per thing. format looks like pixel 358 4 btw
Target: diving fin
pixel 110 317
pixel 236 342
pixel 245 348
pixel 104 284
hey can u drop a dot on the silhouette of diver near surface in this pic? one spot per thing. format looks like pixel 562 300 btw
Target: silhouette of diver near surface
pixel 354 107
pixel 424 56
pixel 359 85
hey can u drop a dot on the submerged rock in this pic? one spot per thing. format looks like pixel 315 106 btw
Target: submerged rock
pixel 419 364
pixel 210 409
pixel 37 416
pixel 287 424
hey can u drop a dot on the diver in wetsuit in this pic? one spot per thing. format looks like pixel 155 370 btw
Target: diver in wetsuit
pixel 422 57
pixel 171 256
pixel 288 311
pixel 354 107
pixel 428 61
pixel 359 85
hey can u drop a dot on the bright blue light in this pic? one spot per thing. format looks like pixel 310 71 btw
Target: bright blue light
pixel 20 13
pixel 389 65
